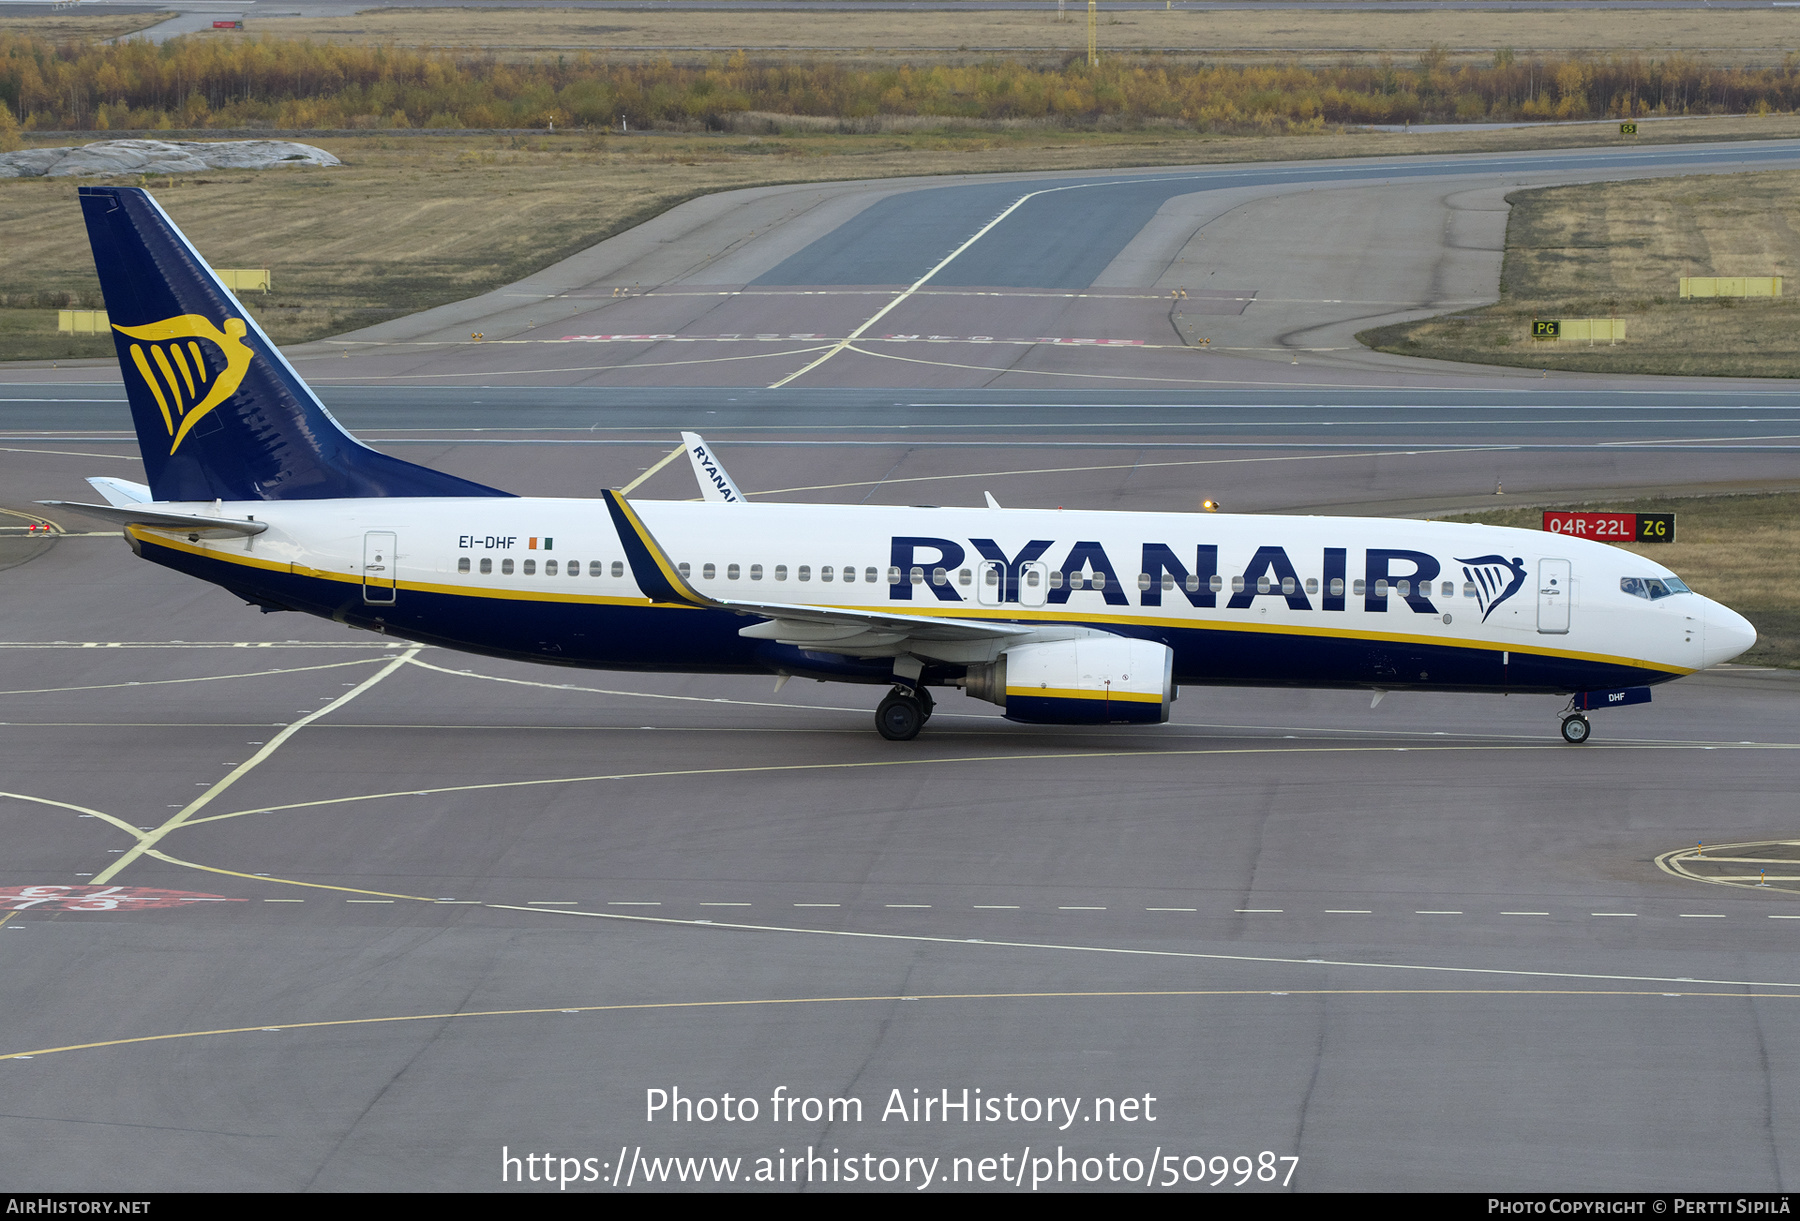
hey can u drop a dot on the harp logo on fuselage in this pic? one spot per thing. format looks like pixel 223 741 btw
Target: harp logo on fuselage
pixel 188 377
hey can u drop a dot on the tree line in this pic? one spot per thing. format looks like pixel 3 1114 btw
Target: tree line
pixel 208 82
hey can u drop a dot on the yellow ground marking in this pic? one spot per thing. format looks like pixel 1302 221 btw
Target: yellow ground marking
pixel 33 518
pixel 263 877
pixel 1129 466
pixel 652 1006
pixel 207 678
pixel 645 695
pixel 147 841
pixel 8 916
pixel 1104 377
pixel 120 823
pixel 931 762
pixel 666 459
pixel 636 364
pixel 70 453
pixel 1127 951
pixel 916 285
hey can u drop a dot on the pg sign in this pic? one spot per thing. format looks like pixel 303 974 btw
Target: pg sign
pixel 1613 527
pixel 1546 328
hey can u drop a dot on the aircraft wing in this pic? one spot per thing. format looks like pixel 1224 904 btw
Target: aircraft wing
pixel 791 623
pixel 158 519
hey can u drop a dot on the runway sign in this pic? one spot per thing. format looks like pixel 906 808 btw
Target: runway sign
pixel 1546 328
pixel 1613 527
pixel 1628 129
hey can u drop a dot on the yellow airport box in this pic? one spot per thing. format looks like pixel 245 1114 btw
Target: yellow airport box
pixel 82 322
pixel 242 279
pixel 1592 330
pixel 1730 286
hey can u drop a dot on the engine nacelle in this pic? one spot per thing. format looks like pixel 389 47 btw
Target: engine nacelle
pixel 1092 680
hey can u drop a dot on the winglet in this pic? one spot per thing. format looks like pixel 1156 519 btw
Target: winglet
pixel 715 484
pixel 651 567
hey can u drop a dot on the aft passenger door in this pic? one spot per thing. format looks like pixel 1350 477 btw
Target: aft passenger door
pixel 378 568
pixel 1553 596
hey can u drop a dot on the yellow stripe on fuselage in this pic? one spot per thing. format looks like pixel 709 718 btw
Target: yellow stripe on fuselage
pixel 1067 693
pixel 1044 618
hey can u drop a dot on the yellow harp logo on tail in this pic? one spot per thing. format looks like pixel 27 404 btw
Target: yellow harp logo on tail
pixel 176 369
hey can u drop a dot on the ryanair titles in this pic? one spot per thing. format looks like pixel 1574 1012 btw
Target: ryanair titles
pixel 927 567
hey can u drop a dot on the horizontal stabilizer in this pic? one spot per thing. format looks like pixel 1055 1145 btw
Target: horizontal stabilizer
pixel 120 491
pixel 157 519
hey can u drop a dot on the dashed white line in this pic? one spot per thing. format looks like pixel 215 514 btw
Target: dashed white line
pixel 633 903
pixel 550 902
pixel 724 905
pixel 1171 909
pixel 906 905
pixel 1524 913
pixel 1348 911
pixel 818 905
pixel 1081 909
pixel 1702 915
pixel 986 907
pixel 1267 911
pixel 368 900
pixel 1612 913
pixel 1432 913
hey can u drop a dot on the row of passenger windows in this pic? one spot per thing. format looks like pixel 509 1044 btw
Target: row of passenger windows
pixel 1031 578
pixel 595 568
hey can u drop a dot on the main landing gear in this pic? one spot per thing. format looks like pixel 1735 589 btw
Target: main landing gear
pixel 903 713
pixel 1575 729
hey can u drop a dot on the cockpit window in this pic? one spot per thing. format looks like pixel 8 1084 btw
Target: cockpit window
pixel 1652 588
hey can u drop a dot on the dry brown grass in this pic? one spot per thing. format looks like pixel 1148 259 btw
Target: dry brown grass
pixel 1739 550
pixel 1737 36
pixel 1620 249
pixel 59 28
pixel 409 222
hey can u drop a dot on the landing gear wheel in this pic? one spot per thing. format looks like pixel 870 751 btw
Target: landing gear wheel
pixel 1575 730
pixel 900 717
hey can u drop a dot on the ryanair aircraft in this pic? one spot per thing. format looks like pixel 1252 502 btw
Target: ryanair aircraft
pixel 1058 617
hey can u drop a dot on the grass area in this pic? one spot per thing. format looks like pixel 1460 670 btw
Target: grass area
pixel 60 27
pixel 1620 250
pixel 409 222
pixel 1738 36
pixel 1739 550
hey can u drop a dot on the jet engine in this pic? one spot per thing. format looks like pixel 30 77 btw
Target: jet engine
pixel 1091 680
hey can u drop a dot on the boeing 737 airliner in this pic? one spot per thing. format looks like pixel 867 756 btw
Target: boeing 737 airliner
pixel 1058 617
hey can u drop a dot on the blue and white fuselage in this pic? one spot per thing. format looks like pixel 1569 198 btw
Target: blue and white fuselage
pixel 1058 616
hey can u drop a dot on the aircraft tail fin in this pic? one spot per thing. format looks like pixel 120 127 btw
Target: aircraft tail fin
pixel 219 412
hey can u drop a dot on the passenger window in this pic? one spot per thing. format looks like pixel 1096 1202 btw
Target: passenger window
pixel 1403 588
pixel 1031 578
pixel 917 575
pixel 549 568
pixel 893 576
pixel 595 568
pixel 1312 585
pixel 1237 585
pixel 849 574
pixel 487 566
pixel 618 568
pixel 708 572
pixel 870 575
pixel 731 572
pixel 1381 589
pixel 1056 579
pixel 1077 580
pixel 1447 589
pixel 1337 587
pixel 530 567
pixel 574 568
pixel 990 577
pixel 506 568
pixel 939 577
pixel 756 572
pixel 1143 580
pixel 462 565
pixel 964 577
pixel 1360 587
pixel 1168 581
pixel 683 568
pixel 1099 581
pixel 1262 585
pixel 805 573
pixel 1287 585
pixel 1216 583
pixel 1468 589
pixel 1192 584
pixel 824 572
pixel 781 572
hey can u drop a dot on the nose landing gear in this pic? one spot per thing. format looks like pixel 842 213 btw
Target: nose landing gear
pixel 901 716
pixel 1575 729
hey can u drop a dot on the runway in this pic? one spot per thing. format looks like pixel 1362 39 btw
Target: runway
pixel 392 915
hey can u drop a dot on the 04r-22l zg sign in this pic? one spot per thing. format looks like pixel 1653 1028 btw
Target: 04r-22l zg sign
pixel 1613 527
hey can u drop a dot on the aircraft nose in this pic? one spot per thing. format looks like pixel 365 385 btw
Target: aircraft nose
pixel 1727 634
